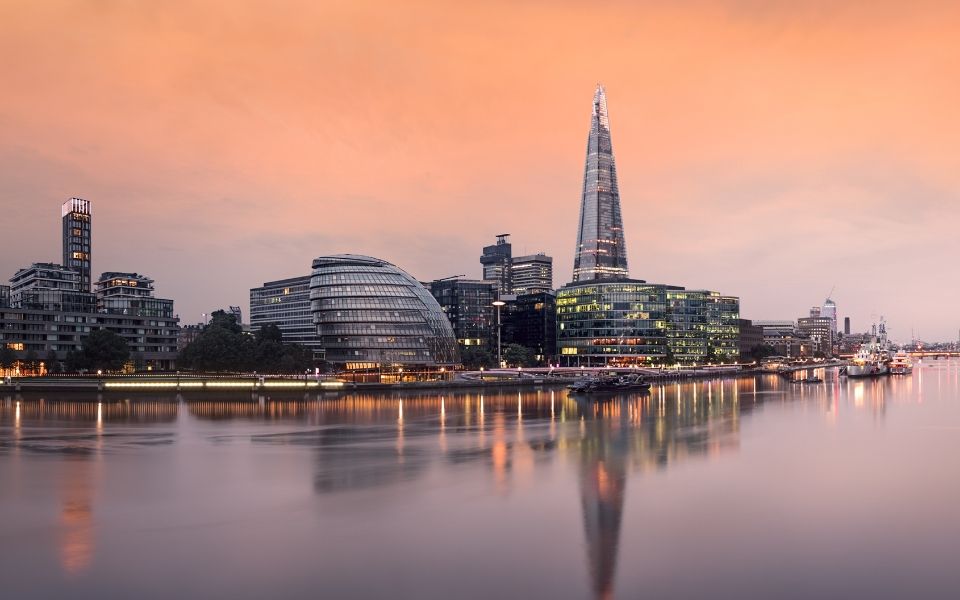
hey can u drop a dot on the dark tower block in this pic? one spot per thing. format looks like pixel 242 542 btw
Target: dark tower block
pixel 76 240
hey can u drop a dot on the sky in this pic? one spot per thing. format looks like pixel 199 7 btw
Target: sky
pixel 770 150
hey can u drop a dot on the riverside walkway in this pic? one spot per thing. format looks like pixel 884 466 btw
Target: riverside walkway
pixel 278 384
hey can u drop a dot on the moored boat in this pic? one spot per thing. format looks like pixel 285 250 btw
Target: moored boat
pixel 873 357
pixel 901 364
pixel 627 383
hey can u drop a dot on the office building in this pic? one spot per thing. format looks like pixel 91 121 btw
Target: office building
pixel 516 275
pixel 78 240
pixel 751 338
pixel 370 314
pixel 819 330
pixel 723 326
pixel 286 304
pixel 846 326
pixel 496 261
pixel 468 306
pixel 774 328
pixel 632 322
pixel 531 274
pixel 530 320
pixel 601 251
pixel 4 296
pixel 605 318
pixel 829 310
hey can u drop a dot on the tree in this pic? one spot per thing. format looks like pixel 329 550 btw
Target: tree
pixel 217 348
pixel 8 358
pixel 30 360
pixel 75 361
pixel 759 352
pixel 474 357
pixel 53 363
pixel 669 358
pixel 105 350
pixel 714 356
pixel 222 346
pixel 516 355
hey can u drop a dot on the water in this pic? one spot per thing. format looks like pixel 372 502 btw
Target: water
pixel 726 489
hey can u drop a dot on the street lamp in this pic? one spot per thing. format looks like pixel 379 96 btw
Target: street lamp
pixel 498 303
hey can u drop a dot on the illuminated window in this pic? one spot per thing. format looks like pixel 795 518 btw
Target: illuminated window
pixel 15 345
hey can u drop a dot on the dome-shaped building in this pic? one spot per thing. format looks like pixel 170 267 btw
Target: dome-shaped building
pixel 371 314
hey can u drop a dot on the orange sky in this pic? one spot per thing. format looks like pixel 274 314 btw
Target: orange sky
pixel 765 149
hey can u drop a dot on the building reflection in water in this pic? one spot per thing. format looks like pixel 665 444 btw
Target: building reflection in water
pixel 604 451
pixel 76 533
pixel 83 432
pixel 366 441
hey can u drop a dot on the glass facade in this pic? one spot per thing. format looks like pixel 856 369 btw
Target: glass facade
pixel 531 321
pixel 468 305
pixel 47 286
pixel 631 322
pixel 601 251
pixel 286 304
pixel 369 313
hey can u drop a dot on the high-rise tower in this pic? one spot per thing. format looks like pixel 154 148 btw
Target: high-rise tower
pixel 496 261
pixel 601 251
pixel 76 239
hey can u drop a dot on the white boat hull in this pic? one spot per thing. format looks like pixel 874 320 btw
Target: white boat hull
pixel 868 370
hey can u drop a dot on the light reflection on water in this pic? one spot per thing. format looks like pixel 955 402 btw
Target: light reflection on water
pixel 367 495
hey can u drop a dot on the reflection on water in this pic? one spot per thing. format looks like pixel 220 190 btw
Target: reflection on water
pixel 389 444
pixel 76 517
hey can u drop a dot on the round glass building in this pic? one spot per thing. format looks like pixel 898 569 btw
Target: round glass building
pixel 370 314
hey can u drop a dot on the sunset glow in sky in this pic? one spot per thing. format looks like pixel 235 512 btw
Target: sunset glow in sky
pixel 765 149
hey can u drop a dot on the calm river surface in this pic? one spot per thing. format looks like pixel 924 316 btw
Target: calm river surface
pixel 749 488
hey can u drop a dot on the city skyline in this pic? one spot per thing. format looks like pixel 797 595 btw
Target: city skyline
pixel 826 160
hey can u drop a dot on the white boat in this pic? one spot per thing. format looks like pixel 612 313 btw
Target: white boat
pixel 901 364
pixel 873 358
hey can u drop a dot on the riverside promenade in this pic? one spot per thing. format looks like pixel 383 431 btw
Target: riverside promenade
pixel 278 384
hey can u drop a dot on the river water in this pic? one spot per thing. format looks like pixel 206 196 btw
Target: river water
pixel 741 488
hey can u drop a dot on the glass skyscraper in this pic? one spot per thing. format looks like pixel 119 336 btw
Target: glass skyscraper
pixel 601 251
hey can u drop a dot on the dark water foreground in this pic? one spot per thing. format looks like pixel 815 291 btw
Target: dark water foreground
pixel 751 488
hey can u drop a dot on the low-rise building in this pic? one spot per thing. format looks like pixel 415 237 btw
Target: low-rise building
pixel 152 341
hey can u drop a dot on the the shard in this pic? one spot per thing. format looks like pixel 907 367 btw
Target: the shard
pixel 601 251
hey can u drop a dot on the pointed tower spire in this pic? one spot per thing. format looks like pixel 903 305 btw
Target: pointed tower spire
pixel 601 251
